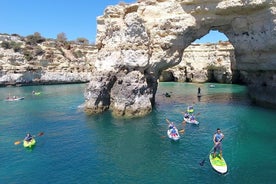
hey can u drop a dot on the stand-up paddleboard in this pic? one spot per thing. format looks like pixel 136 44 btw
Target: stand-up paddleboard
pixel 218 164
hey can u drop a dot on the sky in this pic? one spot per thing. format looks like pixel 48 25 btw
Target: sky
pixel 75 18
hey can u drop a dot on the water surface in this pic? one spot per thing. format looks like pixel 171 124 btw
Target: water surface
pixel 76 148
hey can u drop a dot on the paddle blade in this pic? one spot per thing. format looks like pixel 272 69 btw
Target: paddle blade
pixel 40 134
pixel 202 162
pixel 17 142
pixel 182 131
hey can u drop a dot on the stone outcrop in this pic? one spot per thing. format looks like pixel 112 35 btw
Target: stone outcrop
pixel 51 62
pixel 47 62
pixel 150 36
pixel 204 63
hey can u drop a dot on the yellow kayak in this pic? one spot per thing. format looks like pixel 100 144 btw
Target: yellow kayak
pixel 29 144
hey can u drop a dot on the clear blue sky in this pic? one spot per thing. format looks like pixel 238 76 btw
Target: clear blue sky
pixel 212 37
pixel 75 18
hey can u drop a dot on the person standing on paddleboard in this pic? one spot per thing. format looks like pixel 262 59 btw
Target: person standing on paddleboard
pixel 217 138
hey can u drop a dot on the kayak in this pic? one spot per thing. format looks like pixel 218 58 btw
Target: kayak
pixel 188 120
pixel 29 144
pixel 14 99
pixel 174 137
pixel 190 109
pixel 218 163
pixel 37 93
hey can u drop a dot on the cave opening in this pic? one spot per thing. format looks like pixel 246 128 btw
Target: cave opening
pixel 210 58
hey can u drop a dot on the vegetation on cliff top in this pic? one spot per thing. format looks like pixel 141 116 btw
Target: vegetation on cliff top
pixel 30 46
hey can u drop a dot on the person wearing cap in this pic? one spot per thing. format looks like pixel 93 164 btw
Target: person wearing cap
pixel 171 125
pixel 217 138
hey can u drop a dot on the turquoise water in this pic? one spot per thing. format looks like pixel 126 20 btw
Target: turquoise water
pixel 76 148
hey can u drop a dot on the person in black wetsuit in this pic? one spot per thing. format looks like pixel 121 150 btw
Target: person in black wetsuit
pixel 198 91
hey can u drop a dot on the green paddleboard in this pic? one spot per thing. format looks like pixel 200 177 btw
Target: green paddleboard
pixel 218 163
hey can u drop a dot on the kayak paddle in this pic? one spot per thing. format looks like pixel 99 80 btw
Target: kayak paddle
pixel 18 142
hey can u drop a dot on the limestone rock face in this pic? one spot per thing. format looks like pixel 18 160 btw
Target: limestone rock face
pixel 98 93
pixel 151 35
pixel 131 95
pixel 49 62
pixel 204 63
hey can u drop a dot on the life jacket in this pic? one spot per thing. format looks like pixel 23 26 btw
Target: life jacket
pixel 218 137
pixel 28 138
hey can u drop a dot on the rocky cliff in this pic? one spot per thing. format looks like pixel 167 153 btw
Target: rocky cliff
pixel 204 63
pixel 35 60
pixel 140 40
pixel 53 62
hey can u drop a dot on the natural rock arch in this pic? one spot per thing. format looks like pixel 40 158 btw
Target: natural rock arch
pixel 137 41
pixel 204 62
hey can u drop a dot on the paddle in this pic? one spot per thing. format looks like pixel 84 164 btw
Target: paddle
pixel 184 122
pixel 203 161
pixel 195 115
pixel 179 131
pixel 18 142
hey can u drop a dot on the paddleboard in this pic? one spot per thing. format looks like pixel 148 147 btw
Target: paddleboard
pixel 218 163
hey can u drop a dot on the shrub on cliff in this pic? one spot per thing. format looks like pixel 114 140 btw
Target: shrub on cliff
pixel 11 45
pixel 61 37
pixel 16 46
pixel 38 51
pixel 78 54
pixel 34 39
pixel 6 45
pixel 82 41
pixel 27 54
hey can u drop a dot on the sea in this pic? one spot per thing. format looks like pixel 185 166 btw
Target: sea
pixel 74 148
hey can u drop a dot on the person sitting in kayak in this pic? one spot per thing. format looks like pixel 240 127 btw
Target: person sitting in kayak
pixel 28 137
pixel 186 115
pixel 192 118
pixel 167 94
pixel 171 125
pixel 217 138
pixel 190 108
pixel 173 132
